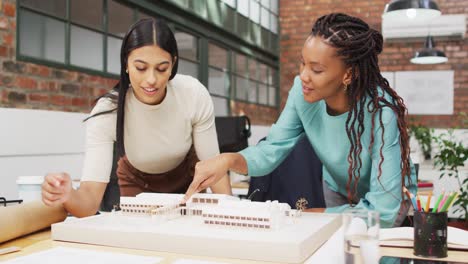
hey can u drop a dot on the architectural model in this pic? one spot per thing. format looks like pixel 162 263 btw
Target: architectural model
pixel 208 225
pixel 213 209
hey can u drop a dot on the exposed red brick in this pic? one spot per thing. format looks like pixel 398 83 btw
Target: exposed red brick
pixel 37 97
pixel 79 102
pixel 26 82
pixel 9 9
pixel 3 51
pixel 8 39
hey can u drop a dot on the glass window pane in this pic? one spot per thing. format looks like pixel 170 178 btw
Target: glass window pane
pixel 265 16
pixel 262 94
pixel 274 6
pixel 263 77
pixel 113 55
pixel 272 77
pixel 214 11
pixel 265 38
pixel 187 45
pixel 87 13
pixel 243 7
pixel 52 7
pixel 86 48
pixel 272 96
pixel 183 3
pixel 217 56
pixel 188 68
pixel 220 106
pixel 42 37
pixel 274 43
pixel 198 7
pixel 231 3
pixel 255 33
pixel 254 11
pixel 120 18
pixel 217 82
pixel 243 27
pixel 253 92
pixel 266 3
pixel 228 19
pixel 242 85
pixel 274 23
pixel 253 71
pixel 241 65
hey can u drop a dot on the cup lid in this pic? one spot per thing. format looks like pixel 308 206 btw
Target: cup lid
pixel 30 180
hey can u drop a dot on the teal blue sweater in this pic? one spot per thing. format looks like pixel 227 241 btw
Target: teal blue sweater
pixel 328 136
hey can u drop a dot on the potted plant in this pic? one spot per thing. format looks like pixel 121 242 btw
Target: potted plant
pixel 451 156
pixel 423 135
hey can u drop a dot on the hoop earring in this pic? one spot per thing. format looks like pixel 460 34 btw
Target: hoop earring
pixel 126 71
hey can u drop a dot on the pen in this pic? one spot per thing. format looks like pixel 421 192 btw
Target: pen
pixel 442 202
pixel 434 209
pixel 448 202
pixel 428 203
pixel 453 200
pixel 418 202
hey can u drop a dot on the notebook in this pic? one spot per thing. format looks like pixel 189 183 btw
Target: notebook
pixel 403 237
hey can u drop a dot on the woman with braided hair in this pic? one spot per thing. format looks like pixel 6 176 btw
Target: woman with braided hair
pixel 352 117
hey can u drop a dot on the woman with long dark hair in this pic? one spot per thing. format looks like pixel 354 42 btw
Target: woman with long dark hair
pixel 162 123
pixel 354 120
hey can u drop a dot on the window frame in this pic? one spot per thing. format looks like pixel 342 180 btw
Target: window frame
pixel 178 20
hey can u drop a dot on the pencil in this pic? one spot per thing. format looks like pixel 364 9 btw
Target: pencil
pixel 453 201
pixel 418 202
pixel 434 209
pixel 448 202
pixel 410 198
pixel 428 203
pixel 442 202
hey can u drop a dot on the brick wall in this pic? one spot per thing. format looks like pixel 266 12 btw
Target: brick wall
pixel 297 17
pixel 29 85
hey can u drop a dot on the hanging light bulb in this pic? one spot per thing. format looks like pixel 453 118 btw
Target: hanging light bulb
pixel 411 10
pixel 429 55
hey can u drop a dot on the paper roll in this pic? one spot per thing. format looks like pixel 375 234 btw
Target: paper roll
pixel 25 218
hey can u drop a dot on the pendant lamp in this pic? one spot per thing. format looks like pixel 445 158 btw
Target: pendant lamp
pixel 411 10
pixel 429 55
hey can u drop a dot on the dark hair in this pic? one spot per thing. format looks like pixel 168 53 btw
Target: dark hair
pixel 148 31
pixel 359 45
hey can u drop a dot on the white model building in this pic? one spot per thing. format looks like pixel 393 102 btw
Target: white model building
pixel 214 209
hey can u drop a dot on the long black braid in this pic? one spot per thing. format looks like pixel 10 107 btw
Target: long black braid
pixel 359 45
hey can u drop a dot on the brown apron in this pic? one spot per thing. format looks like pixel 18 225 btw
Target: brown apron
pixel 132 181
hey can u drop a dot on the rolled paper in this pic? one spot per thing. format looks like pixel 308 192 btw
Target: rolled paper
pixel 25 218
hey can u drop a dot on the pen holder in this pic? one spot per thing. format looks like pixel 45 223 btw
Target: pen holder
pixel 430 234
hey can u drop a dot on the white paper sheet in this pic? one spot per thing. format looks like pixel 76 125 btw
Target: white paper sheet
pixel 196 261
pixel 61 255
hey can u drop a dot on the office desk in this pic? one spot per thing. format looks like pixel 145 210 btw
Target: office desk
pixel 41 241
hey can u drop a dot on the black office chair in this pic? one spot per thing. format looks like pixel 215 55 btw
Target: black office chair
pixel 296 181
pixel 111 198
